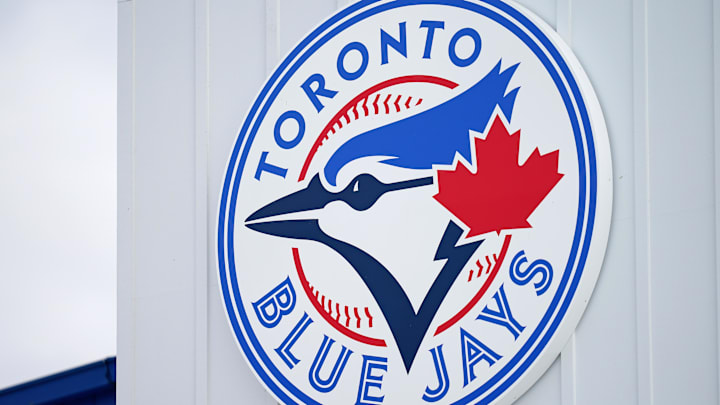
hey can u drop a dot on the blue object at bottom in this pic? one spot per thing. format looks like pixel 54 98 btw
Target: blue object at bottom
pixel 92 384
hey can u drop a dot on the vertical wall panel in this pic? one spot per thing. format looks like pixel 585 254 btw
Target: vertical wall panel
pixel 125 254
pixel 296 18
pixel 606 370
pixel 716 82
pixel 545 9
pixel 164 203
pixel 237 49
pixel 681 184
pixel 162 172
pixel 546 390
pixel 641 195
pixel 200 228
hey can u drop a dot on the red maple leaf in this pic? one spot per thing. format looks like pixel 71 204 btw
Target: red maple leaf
pixel 501 194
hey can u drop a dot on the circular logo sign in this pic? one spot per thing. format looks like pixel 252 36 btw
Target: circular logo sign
pixel 416 208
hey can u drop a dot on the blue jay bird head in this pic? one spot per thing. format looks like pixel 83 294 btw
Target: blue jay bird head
pixel 419 142
pixel 408 148
pixel 388 196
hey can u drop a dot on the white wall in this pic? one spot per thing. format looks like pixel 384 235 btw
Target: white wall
pixel 188 71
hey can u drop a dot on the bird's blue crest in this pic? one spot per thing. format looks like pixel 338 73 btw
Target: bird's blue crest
pixel 432 137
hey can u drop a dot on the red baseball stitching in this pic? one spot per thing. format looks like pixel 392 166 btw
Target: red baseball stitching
pixel 490 261
pixel 483 289
pixel 350 113
pixel 353 314
pixel 362 100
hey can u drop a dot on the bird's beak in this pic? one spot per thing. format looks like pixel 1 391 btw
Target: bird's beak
pixel 360 194
pixel 275 219
pixel 312 197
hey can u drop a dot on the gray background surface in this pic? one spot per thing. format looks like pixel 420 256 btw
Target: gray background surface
pixel 57 185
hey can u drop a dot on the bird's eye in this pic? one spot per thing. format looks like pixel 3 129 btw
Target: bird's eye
pixel 363 199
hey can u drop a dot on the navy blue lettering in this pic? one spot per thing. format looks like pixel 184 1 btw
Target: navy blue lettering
pixel 328 384
pixel 502 316
pixel 264 166
pixel 540 267
pixel 436 394
pixel 352 46
pixel 473 352
pixel 320 91
pixel 399 45
pixel 279 302
pixel 284 349
pixel 371 381
pixel 465 32
pixel 298 137
pixel 431 27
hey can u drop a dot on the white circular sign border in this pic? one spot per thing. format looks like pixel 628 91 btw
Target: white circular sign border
pixel 540 351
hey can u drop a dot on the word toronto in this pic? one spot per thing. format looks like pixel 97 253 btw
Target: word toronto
pixel 279 303
pixel 315 87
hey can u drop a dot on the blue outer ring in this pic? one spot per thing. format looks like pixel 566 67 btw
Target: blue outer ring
pixel 518 364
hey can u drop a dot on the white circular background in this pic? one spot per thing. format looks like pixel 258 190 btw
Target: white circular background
pixel 403 229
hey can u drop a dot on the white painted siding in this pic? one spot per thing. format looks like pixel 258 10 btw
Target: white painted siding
pixel 188 71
